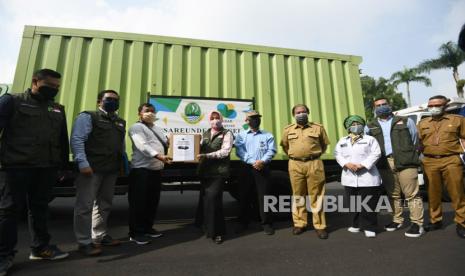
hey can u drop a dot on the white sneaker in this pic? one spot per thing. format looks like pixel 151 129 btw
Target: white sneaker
pixel 370 234
pixel 353 229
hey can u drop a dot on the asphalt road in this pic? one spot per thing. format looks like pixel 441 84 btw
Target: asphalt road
pixel 185 251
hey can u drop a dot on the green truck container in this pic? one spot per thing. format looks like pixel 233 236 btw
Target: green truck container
pixel 135 64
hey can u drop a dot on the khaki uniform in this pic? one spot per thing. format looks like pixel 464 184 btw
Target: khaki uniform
pixel 304 145
pixel 442 164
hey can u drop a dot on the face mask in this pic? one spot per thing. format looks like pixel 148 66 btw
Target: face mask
pixel 110 105
pixel 254 122
pixel 384 110
pixel 47 92
pixel 216 124
pixel 301 119
pixel 436 111
pixel 358 129
pixel 148 117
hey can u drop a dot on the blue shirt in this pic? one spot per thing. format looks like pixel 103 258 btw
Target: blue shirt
pixel 81 129
pixel 386 128
pixel 252 146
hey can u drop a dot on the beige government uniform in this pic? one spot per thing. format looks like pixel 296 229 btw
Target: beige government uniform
pixel 442 164
pixel 304 146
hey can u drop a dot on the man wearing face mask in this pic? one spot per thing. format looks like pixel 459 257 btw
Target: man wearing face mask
pixel 304 142
pixel 398 165
pixel 33 147
pixel 213 170
pixel 255 148
pixel 97 142
pixel 148 159
pixel 439 140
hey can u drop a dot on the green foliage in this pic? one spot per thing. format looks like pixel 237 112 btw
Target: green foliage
pixel 450 57
pixel 461 84
pixel 381 87
pixel 407 76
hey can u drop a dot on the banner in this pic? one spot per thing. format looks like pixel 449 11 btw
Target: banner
pixel 189 115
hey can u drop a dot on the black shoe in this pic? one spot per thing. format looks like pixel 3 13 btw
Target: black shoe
pixel 218 240
pixel 107 240
pixel 433 226
pixel 152 233
pixel 322 234
pixel 268 229
pixel 415 231
pixel 89 250
pixel 393 226
pixel 298 230
pixel 460 231
pixel 140 239
pixel 5 264
pixel 50 252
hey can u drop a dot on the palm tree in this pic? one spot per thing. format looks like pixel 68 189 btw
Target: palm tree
pixel 450 56
pixel 407 76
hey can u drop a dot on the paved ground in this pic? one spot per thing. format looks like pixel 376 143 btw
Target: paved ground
pixel 184 251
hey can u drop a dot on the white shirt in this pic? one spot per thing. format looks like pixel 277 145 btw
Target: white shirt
pixel 365 151
pixel 145 146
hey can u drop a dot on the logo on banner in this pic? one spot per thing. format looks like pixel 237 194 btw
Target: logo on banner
pixel 192 113
pixel 227 110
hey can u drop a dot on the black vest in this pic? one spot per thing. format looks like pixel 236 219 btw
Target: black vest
pixel 213 167
pixel 403 149
pixel 32 137
pixel 104 147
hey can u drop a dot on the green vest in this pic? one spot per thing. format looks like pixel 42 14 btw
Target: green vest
pixel 213 167
pixel 32 137
pixel 403 149
pixel 104 146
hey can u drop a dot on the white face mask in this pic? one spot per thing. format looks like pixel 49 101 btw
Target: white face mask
pixel 216 124
pixel 148 117
pixel 436 111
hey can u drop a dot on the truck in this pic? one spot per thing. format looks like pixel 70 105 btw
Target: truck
pixel 150 67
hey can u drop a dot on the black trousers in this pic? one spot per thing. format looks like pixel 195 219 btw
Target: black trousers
pixel 254 183
pixel 144 197
pixel 364 219
pixel 210 207
pixel 25 188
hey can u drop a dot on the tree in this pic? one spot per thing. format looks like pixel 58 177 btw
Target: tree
pixel 373 89
pixel 407 76
pixel 450 57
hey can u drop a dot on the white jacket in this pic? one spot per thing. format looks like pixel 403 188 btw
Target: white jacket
pixel 145 145
pixel 366 152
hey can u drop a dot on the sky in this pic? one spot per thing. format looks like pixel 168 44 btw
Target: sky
pixel 388 34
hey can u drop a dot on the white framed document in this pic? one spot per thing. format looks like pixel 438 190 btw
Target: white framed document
pixel 184 147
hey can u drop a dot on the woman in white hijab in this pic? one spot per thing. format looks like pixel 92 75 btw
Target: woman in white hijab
pixel 213 170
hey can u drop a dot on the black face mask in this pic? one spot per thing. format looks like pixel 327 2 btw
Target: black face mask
pixel 254 122
pixel 110 105
pixel 47 93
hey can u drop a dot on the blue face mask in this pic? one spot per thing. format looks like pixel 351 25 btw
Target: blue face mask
pixel 384 110
pixel 110 105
